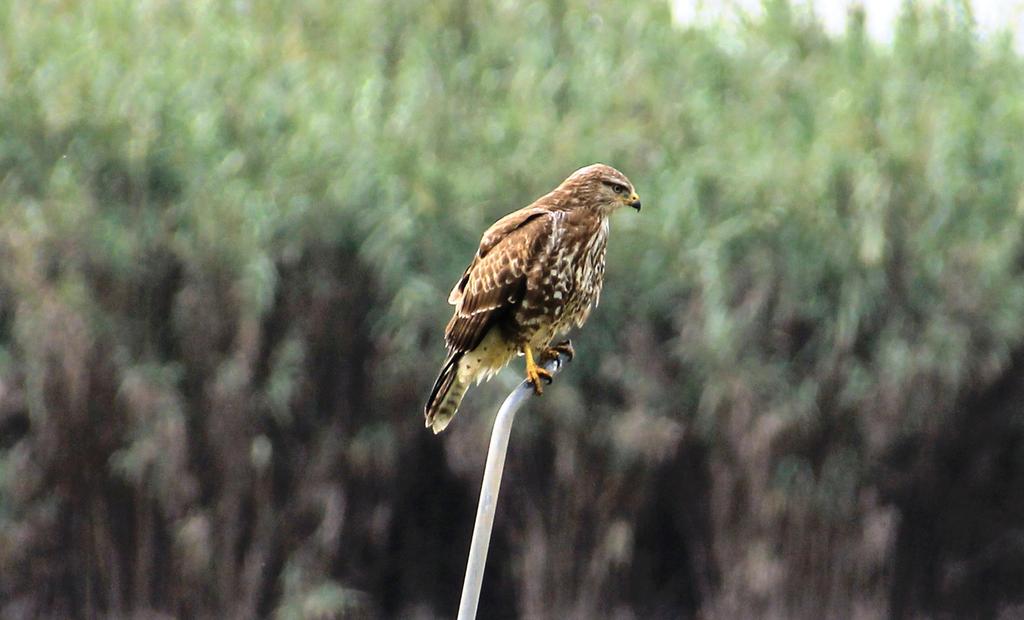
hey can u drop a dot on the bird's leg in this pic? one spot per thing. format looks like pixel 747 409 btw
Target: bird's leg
pixel 562 348
pixel 535 373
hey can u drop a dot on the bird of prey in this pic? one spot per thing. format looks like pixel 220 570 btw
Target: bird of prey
pixel 537 273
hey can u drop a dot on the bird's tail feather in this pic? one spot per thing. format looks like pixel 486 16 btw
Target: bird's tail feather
pixel 446 395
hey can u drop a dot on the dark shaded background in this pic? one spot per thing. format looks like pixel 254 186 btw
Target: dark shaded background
pixel 227 231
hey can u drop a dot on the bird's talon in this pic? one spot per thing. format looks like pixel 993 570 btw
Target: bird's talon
pixel 562 348
pixel 536 375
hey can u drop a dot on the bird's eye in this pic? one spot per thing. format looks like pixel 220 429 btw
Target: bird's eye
pixel 618 189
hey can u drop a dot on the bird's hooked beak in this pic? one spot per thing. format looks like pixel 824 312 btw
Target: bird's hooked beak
pixel 634 201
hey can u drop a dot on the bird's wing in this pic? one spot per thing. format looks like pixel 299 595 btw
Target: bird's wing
pixel 496 279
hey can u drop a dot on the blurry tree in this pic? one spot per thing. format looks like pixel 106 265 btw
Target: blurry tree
pixel 227 230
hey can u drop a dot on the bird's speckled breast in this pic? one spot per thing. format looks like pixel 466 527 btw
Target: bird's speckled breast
pixel 564 286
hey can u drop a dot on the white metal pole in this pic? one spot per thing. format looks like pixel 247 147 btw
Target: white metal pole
pixel 489 493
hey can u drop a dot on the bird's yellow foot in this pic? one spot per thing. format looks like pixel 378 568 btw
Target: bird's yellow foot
pixel 562 348
pixel 534 373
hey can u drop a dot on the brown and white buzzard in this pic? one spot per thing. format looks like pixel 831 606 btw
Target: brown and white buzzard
pixel 537 273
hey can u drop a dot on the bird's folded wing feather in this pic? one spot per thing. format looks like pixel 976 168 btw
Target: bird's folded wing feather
pixel 496 279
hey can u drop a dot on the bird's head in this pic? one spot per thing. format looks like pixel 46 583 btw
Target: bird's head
pixel 603 187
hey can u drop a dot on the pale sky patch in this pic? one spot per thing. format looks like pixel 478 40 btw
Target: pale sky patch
pixel 991 17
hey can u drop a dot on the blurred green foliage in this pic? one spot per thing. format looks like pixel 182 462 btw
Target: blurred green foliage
pixel 227 231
